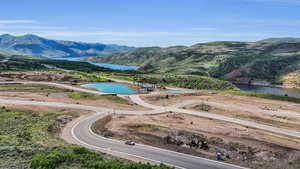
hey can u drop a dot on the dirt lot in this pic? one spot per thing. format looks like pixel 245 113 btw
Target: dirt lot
pixel 64 98
pixel 189 134
pixel 41 77
pixel 271 120
pixel 40 110
pixel 246 102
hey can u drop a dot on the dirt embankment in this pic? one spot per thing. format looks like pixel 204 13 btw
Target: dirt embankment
pixel 64 98
pixel 189 134
pixel 291 123
pixel 242 101
pixel 42 77
pixel 233 107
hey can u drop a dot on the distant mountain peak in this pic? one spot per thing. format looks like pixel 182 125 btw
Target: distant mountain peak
pixel 31 44
pixel 6 35
pixel 30 36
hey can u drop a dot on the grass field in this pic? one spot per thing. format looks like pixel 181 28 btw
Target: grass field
pixel 147 127
pixel 87 96
pixel 30 88
pixel 262 95
pixel 26 143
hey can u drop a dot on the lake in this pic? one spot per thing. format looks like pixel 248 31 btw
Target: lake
pixel 115 88
pixel 115 66
pixel 273 90
pixel 104 65
pixel 67 58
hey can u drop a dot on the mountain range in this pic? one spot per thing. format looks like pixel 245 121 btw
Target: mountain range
pixel 37 46
pixel 270 61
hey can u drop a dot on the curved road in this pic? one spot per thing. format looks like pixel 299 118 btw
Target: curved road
pixel 84 136
pixel 82 133
pixel 239 108
pixel 138 100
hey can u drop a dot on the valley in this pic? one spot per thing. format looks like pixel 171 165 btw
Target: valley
pixel 176 117
pixel 154 84
pixel 265 62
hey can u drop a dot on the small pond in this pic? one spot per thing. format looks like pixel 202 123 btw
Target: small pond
pixel 115 88
pixel 174 91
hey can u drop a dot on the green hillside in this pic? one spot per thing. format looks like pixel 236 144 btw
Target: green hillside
pixel 236 61
pixel 281 40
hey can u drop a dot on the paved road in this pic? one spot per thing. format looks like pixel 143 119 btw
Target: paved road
pixel 238 108
pixel 136 99
pixel 82 133
pixel 84 136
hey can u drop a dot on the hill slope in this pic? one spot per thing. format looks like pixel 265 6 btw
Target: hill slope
pixel 38 46
pixel 236 61
pixel 281 40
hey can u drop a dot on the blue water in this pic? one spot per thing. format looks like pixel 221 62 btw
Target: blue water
pixel 174 91
pixel 105 65
pixel 115 88
pixel 271 90
pixel 67 58
pixel 115 66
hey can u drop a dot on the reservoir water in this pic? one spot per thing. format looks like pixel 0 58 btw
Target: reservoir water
pixel 123 89
pixel 273 90
pixel 105 65
pixel 115 88
pixel 115 66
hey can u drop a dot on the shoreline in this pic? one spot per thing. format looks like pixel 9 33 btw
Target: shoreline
pixel 264 85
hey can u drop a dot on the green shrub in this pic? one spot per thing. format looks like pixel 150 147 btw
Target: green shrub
pixel 43 161
pixel 87 96
pixel 190 82
pixel 263 95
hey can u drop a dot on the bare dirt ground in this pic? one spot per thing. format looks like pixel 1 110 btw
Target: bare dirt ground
pixel 64 98
pixel 41 77
pixel 239 145
pixel 244 101
pixel 271 120
pixel 40 110
pixel 291 123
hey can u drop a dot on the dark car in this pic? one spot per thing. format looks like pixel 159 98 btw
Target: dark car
pixel 129 142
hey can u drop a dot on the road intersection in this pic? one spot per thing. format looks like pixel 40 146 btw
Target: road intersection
pixel 84 136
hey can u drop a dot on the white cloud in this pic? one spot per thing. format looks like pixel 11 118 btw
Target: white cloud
pixel 185 36
pixel 18 22
pixel 112 33
pixel 30 27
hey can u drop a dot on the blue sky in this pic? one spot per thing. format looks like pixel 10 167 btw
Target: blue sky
pixel 152 22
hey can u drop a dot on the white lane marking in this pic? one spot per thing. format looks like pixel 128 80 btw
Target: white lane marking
pixel 160 149
pixel 105 150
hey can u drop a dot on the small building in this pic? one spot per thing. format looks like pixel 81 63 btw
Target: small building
pixel 147 86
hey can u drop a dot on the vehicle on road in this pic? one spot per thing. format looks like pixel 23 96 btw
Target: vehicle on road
pixel 129 142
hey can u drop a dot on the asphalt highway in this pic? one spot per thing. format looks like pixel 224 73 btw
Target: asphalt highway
pixel 82 132
pixel 83 135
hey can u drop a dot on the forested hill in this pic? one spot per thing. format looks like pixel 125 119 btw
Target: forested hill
pixel 268 61
pixel 37 46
